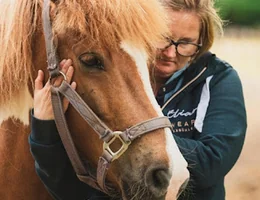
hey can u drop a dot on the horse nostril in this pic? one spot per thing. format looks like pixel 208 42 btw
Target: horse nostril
pixel 161 178
pixel 157 180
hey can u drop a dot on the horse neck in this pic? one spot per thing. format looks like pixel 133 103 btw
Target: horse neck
pixel 18 179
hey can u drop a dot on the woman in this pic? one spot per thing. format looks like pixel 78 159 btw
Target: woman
pixel 200 94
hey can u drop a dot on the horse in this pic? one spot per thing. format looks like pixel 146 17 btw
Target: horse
pixel 111 44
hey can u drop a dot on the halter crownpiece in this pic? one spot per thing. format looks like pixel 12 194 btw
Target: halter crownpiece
pixel 52 60
pixel 108 136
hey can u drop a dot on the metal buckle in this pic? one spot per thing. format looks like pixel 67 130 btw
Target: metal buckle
pixel 123 148
pixel 52 78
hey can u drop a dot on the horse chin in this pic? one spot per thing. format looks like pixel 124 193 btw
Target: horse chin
pixel 137 191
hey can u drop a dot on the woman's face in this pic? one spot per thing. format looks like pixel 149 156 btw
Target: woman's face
pixel 185 26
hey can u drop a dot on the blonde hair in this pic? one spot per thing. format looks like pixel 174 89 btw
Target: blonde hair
pixel 211 23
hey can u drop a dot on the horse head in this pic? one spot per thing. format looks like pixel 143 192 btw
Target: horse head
pixel 111 44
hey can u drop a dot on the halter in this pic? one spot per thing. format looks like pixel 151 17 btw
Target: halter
pixel 108 136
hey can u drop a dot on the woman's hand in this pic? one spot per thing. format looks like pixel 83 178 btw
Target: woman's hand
pixel 42 93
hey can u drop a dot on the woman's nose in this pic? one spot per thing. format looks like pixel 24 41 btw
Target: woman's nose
pixel 170 51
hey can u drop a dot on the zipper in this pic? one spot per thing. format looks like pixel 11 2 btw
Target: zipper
pixel 183 88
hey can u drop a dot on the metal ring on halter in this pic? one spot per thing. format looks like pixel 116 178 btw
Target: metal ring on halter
pixel 64 76
pixel 62 73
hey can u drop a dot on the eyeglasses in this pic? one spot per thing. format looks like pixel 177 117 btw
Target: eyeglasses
pixel 186 49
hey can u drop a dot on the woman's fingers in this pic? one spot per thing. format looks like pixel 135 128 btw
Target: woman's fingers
pixel 73 85
pixel 39 80
pixel 65 100
pixel 69 74
pixel 42 96
pixel 68 70
pixel 62 62
pixel 64 65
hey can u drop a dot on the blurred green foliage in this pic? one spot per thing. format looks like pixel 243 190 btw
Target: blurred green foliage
pixel 240 12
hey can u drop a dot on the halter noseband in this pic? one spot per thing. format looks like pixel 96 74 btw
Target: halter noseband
pixel 108 136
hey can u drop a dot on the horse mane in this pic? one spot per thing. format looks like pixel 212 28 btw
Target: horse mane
pixel 105 21
pixel 17 23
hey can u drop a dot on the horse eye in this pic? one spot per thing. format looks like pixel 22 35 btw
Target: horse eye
pixel 91 60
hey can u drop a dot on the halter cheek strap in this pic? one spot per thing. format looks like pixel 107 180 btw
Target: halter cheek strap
pixel 53 63
pixel 108 136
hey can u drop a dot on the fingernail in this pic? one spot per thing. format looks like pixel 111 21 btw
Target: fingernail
pixel 63 61
pixel 74 84
pixel 68 61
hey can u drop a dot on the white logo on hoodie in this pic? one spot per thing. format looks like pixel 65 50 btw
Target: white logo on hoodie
pixel 182 113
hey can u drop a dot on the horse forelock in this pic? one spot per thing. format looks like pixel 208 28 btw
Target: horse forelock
pixel 103 21
pixel 110 22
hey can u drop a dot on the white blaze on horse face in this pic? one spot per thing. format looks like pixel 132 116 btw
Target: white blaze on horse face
pixel 177 163
pixel 140 57
pixel 18 108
